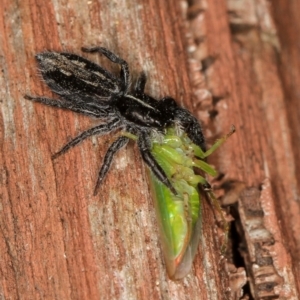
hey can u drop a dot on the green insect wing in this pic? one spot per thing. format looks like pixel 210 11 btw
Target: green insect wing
pixel 179 235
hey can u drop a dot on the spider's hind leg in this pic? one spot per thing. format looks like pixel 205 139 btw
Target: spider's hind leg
pixel 125 75
pixel 98 130
pixel 114 147
pixel 78 107
pixel 60 103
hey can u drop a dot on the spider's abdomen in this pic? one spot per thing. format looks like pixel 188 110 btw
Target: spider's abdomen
pixel 70 75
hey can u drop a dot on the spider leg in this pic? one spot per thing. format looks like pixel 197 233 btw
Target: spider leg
pixel 138 92
pixel 144 146
pixel 140 83
pixel 125 76
pixel 83 108
pixel 114 147
pixel 100 129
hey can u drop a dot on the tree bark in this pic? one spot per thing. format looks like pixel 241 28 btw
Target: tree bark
pixel 222 60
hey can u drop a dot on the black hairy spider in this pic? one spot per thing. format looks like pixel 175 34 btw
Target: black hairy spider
pixel 87 88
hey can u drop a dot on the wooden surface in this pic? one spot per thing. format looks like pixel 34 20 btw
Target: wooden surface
pixel 221 59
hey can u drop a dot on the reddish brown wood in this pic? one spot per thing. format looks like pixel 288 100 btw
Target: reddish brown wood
pixel 287 25
pixel 57 240
pixel 247 71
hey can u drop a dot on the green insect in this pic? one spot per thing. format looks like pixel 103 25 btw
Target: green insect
pixel 179 216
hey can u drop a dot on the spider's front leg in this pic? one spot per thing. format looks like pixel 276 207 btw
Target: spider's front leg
pixel 125 76
pixel 144 147
pixel 191 126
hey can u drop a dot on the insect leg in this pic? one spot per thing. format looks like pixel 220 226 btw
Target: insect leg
pixel 100 129
pixel 143 144
pixel 114 147
pixel 83 108
pixel 125 76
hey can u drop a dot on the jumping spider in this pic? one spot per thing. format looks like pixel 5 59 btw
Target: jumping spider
pixel 85 87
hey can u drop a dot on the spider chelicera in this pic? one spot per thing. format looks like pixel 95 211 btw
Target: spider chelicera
pixel 87 88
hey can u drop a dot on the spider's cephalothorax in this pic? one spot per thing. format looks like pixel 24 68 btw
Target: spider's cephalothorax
pixel 87 88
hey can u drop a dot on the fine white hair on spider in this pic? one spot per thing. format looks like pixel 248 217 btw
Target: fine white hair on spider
pixel 87 88
pixel 178 127
pixel 157 136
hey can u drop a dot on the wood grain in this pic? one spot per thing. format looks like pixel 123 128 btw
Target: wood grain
pixel 222 61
